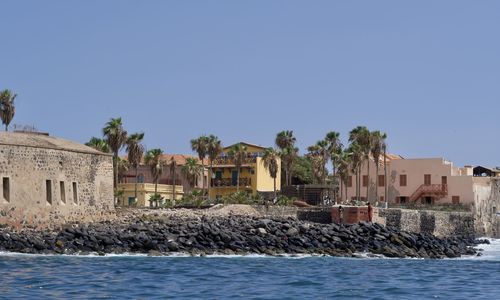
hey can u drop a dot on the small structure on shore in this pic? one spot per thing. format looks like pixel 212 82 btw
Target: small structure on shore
pixel 46 181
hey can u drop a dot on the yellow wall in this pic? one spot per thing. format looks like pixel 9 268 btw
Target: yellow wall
pixel 145 191
pixel 261 180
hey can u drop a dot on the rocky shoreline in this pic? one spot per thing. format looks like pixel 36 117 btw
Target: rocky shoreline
pixel 241 235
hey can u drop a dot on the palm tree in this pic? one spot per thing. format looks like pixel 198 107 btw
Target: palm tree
pixel 123 167
pixel 173 167
pixel 288 157
pixel 214 149
pixel 318 153
pixel 199 146
pixel 361 135
pixel 115 136
pixel 384 149
pixel 155 163
pixel 135 152
pixel 192 170
pixel 377 142
pixel 356 156
pixel 239 154
pixel 334 144
pixel 98 144
pixel 285 141
pixel 343 161
pixel 270 161
pixel 7 107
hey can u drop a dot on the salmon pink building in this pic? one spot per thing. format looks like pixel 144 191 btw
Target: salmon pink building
pixel 418 181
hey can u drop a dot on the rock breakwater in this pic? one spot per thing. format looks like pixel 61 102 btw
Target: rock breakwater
pixel 234 235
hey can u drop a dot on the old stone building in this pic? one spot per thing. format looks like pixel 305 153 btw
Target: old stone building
pixel 46 181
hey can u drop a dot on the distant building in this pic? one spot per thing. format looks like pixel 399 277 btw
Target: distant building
pixel 254 177
pixel 47 180
pixel 146 186
pixel 422 181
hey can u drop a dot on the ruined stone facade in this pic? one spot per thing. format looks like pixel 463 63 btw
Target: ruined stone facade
pixel 438 223
pixel 47 181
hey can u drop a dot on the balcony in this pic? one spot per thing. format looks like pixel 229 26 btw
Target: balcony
pixel 227 160
pixel 228 182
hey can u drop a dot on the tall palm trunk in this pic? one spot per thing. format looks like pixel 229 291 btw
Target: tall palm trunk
pixel 135 187
pixel 376 180
pixel 173 188
pixel 368 180
pixel 385 177
pixel 341 192
pixel 115 175
pixel 209 183
pixel 275 194
pixel 357 185
pixel 203 178
pixel 238 180
pixel 156 193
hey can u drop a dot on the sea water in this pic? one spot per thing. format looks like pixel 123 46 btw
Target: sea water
pixel 249 277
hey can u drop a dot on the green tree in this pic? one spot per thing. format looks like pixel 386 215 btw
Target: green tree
pixel 270 162
pixel 192 170
pixel 302 170
pixel 153 159
pixel 239 154
pixel 135 153
pixel 200 146
pixel 7 107
pixel 285 141
pixel 318 153
pixel 214 149
pixel 98 144
pixel 115 136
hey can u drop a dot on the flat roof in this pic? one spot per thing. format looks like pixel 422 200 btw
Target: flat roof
pixel 44 141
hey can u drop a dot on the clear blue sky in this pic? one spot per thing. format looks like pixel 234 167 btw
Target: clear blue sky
pixel 425 72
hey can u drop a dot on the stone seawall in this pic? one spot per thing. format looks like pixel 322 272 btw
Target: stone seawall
pixel 438 223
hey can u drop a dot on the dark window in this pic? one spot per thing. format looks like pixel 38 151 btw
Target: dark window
pixel 444 180
pixel 6 188
pixel 62 191
pixel 381 180
pixel 349 181
pixel 402 180
pixel 455 199
pixel 365 180
pixel 427 179
pixel 48 189
pixel 403 199
pixel 75 193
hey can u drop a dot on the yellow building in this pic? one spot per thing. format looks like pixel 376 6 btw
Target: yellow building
pixel 254 177
pixel 145 191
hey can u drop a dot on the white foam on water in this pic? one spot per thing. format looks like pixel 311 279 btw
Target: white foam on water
pixel 490 251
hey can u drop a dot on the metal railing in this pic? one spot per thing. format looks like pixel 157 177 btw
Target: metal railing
pixel 228 182
pixel 440 190
pixel 228 160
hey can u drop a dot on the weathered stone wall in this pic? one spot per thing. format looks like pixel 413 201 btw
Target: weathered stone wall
pixel 487 206
pixel 28 169
pixel 315 214
pixel 439 223
pixel 276 211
